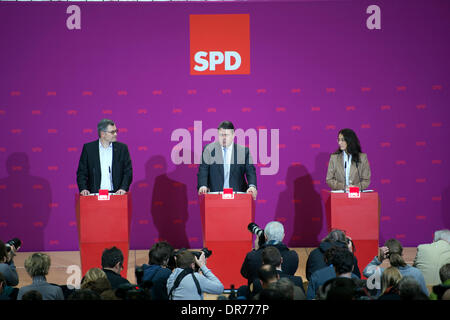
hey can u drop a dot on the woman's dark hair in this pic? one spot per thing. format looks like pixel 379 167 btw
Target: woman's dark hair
pixel 353 145
pixel 225 125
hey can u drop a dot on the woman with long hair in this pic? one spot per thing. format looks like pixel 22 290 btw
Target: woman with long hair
pixel 393 251
pixel 348 166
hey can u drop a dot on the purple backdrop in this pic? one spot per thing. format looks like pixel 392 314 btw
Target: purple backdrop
pixel 315 68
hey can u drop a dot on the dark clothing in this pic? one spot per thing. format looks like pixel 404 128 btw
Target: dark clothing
pixel 390 294
pixel 115 279
pixel 296 280
pixel 211 174
pixel 158 276
pixel 253 261
pixel 318 278
pixel 9 293
pixel 10 273
pixel 439 290
pixel 316 261
pixel 89 170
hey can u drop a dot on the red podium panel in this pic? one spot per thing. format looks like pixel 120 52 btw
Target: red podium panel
pixel 359 218
pixel 224 226
pixel 103 224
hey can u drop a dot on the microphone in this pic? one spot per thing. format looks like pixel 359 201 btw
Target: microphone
pixel 95 185
pixel 345 175
pixel 360 183
pixel 110 179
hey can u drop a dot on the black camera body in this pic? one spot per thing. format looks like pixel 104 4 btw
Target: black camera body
pixel 254 228
pixel 198 254
pixel 13 242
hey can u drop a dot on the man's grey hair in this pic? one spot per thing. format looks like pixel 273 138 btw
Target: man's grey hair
pixel 442 235
pixel 274 230
pixel 103 125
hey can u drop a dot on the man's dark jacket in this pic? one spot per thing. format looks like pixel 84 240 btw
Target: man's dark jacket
pixel 89 171
pixel 316 261
pixel 253 261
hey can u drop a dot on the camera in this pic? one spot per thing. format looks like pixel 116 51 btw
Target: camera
pixel 254 228
pixel 197 254
pixel 128 291
pixel 13 242
pixel 207 252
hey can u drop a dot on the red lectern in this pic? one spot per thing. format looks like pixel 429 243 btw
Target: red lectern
pixel 359 218
pixel 224 228
pixel 103 224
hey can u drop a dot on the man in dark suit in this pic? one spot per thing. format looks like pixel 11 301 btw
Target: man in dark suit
pixel 105 163
pixel 226 165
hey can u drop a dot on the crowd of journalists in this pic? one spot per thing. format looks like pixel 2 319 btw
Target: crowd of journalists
pixel 332 273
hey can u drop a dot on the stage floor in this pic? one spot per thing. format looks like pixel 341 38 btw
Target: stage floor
pixel 61 260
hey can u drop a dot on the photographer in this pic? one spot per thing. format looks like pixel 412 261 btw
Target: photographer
pixel 336 238
pixel 7 267
pixel 37 266
pixel 274 235
pixel 156 272
pixel 185 284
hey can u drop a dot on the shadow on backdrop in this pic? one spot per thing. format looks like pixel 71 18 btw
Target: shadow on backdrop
pixel 299 208
pixel 24 204
pixel 446 208
pixel 163 201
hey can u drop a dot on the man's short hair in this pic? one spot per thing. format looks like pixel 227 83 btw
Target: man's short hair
pixel 339 289
pixel 32 295
pixel 185 259
pixel 225 125
pixel 103 125
pixel 285 287
pixel 37 264
pixel 111 257
pixel 444 272
pixel 160 253
pixel 329 254
pixel 267 273
pixel 271 255
pixel 274 230
pixel 342 261
pixel 410 289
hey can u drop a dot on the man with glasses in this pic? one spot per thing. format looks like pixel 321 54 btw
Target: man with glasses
pixel 226 165
pixel 105 163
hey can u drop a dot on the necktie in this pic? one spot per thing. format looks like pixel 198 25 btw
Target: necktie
pixel 226 170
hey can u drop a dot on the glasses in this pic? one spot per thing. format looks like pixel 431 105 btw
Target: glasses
pixel 112 132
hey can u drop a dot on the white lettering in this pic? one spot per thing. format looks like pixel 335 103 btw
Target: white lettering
pixel 236 56
pixel 199 58
pixel 73 21
pixel 374 21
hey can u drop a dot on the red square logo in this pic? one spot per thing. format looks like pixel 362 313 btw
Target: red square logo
pixel 219 44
